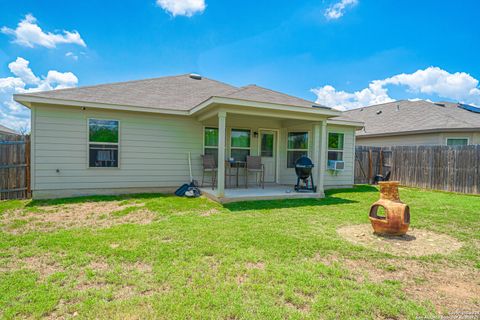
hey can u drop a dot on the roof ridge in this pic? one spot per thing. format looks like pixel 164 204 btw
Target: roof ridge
pixel 7 129
pixel 128 81
pixel 274 91
pixel 221 82
pixel 107 84
pixel 381 104
pixel 456 119
pixel 238 90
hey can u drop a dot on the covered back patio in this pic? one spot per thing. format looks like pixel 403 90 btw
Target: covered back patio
pixel 277 134
pixel 271 191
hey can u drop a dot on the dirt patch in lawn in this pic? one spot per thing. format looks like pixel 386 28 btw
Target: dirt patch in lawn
pixel 101 266
pixel 137 279
pixel 300 307
pixel 87 214
pixel 448 288
pixel 255 265
pixel 45 265
pixel 210 212
pixel 416 242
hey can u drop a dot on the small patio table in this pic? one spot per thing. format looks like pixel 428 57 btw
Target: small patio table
pixel 238 164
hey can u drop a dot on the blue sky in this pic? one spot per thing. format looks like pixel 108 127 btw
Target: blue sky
pixel 329 51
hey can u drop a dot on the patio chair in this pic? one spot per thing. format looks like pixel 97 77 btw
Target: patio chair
pixel 209 165
pixel 254 164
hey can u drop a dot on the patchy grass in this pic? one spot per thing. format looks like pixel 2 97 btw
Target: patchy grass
pixel 157 256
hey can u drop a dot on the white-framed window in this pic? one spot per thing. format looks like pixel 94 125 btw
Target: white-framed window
pixel 103 143
pixel 335 146
pixel 210 144
pixel 297 146
pixel 240 144
pixel 457 141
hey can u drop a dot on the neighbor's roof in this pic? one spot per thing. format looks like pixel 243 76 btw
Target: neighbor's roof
pixel 405 116
pixel 181 93
pixel 6 130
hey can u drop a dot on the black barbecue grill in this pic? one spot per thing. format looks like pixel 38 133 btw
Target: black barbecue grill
pixel 303 169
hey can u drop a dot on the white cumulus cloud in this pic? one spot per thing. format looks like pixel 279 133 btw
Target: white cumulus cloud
pixel 458 86
pixel 20 69
pixel 29 34
pixel 12 114
pixel 71 55
pixel 337 10
pixel 182 7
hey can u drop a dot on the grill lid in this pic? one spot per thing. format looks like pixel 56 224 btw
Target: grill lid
pixel 304 162
pixel 303 167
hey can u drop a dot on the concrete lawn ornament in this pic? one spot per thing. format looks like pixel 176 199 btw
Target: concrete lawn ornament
pixel 397 214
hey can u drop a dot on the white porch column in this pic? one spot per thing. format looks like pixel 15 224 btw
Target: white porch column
pixel 322 159
pixel 222 117
pixel 316 153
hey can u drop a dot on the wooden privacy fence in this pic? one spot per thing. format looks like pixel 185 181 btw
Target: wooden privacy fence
pixel 14 167
pixel 431 167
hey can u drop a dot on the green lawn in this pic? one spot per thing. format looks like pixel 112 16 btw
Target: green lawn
pixel 156 256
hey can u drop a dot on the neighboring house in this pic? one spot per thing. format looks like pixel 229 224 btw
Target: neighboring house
pixel 135 136
pixel 4 131
pixel 406 123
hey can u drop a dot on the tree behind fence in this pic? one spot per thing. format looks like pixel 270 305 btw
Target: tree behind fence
pixel 14 167
pixel 432 167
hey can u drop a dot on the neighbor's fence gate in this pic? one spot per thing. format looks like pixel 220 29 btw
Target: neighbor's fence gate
pixel 432 167
pixel 14 167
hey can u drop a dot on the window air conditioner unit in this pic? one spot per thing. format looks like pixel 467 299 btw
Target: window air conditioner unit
pixel 336 165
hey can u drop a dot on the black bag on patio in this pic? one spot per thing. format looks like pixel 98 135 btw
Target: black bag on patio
pixel 181 191
pixel 193 192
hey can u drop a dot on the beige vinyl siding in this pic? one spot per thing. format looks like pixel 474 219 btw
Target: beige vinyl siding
pixel 342 177
pixel 152 151
pixel 152 154
pixel 287 175
pixel 438 138
pixel 476 137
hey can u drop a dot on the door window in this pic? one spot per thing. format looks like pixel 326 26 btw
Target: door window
pixel 267 145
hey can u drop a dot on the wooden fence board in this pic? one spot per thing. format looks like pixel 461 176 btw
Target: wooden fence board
pixel 431 167
pixel 14 167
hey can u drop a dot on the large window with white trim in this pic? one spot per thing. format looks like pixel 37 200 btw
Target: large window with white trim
pixel 335 146
pixel 211 142
pixel 103 140
pixel 240 144
pixel 297 146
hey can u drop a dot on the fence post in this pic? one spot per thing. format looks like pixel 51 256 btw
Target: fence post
pixel 27 168
pixel 380 165
pixel 370 166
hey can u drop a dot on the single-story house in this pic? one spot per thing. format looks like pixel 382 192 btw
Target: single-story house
pixel 136 136
pixel 407 123
pixel 4 131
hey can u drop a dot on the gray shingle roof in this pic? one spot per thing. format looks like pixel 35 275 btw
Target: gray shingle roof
pixel 5 130
pixel 175 93
pixel 256 93
pixel 407 116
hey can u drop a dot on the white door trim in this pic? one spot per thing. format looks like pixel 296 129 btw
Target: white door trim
pixel 276 147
